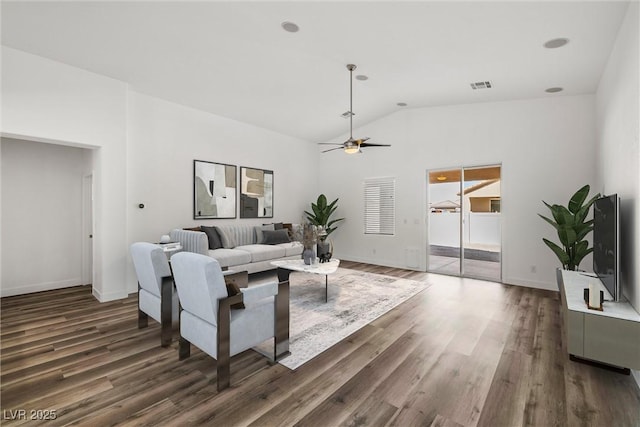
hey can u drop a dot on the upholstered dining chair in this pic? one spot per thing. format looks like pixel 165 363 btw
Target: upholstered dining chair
pixel 156 295
pixel 207 318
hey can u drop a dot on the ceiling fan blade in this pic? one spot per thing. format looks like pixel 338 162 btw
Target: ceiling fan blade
pixel 361 140
pixel 332 149
pixel 368 144
pixel 330 143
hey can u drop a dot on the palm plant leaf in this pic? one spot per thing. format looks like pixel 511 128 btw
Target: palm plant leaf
pixel 571 227
pixel 560 253
pixel 553 223
pixel 578 199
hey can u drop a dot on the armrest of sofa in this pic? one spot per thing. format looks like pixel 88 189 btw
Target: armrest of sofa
pixel 191 241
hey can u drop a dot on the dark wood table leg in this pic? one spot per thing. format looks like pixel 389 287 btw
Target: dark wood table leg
pixel 281 345
pixel 166 311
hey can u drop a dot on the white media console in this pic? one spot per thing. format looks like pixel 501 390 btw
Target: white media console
pixel 611 336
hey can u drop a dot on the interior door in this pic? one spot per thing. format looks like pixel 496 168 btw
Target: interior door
pixel 87 229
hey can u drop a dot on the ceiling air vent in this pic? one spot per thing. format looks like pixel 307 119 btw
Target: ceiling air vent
pixel 481 85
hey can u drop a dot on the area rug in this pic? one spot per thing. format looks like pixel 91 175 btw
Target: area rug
pixel 355 300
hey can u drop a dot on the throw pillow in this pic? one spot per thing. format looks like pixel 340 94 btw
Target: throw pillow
pixel 289 228
pixel 278 225
pixel 276 236
pixel 233 289
pixel 226 237
pixel 259 229
pixel 213 236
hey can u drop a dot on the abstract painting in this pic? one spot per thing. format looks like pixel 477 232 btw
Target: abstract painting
pixel 214 190
pixel 256 193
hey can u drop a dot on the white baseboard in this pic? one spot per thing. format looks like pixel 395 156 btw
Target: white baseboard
pixel 530 284
pixel 39 287
pixel 108 297
pixel 377 261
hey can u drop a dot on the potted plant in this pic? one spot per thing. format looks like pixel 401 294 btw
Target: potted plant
pixel 572 227
pixel 321 218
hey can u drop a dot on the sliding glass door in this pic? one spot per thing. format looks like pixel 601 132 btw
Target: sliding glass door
pixel 464 222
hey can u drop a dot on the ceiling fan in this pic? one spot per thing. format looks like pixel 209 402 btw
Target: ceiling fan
pixel 351 146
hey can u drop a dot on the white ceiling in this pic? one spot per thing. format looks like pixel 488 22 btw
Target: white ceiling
pixel 233 58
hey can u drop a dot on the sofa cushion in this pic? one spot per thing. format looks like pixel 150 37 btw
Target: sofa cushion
pixel 263 252
pixel 276 236
pixel 226 237
pixel 230 257
pixel 260 229
pixel 213 236
pixel 291 248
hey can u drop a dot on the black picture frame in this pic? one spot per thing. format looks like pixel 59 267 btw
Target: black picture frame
pixel 256 192
pixel 215 189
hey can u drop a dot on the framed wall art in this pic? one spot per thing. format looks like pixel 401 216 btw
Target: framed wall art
pixel 256 193
pixel 214 190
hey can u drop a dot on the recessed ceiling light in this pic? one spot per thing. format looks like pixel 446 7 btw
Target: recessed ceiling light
pixel 554 89
pixel 555 43
pixel 401 104
pixel 361 77
pixel 290 27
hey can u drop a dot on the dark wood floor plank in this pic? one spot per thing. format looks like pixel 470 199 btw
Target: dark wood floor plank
pixel 547 375
pixel 337 407
pixel 460 353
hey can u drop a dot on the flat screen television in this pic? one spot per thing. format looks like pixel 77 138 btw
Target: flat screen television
pixel 606 243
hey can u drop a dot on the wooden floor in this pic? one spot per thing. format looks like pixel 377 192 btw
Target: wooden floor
pixel 461 353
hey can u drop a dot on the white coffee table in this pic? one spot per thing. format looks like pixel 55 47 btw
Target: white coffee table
pixel 290 265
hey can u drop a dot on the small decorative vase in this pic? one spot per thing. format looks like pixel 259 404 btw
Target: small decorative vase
pixel 308 256
pixel 324 250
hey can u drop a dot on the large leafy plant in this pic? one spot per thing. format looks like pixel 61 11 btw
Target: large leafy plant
pixel 572 226
pixel 321 214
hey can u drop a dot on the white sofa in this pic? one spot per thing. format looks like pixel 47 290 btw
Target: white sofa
pixel 242 252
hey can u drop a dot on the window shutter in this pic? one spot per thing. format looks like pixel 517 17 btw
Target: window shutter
pixel 380 206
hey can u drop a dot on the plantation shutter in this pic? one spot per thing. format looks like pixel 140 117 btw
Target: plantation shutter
pixel 380 206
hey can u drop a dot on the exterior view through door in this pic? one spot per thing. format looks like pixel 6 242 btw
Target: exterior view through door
pixel 464 222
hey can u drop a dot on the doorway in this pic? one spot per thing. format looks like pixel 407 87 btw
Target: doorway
pixel 464 212
pixel 87 229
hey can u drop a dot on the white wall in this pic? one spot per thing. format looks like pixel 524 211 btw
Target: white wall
pixel 41 217
pixel 618 121
pixel 547 150
pixel 47 101
pixel 165 140
pixel 142 151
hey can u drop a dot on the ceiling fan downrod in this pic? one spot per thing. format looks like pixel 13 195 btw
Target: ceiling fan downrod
pixel 351 67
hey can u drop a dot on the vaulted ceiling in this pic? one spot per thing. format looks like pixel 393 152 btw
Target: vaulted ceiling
pixel 235 60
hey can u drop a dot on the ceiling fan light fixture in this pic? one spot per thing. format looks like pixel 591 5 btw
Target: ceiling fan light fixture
pixel 351 150
pixel 351 147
